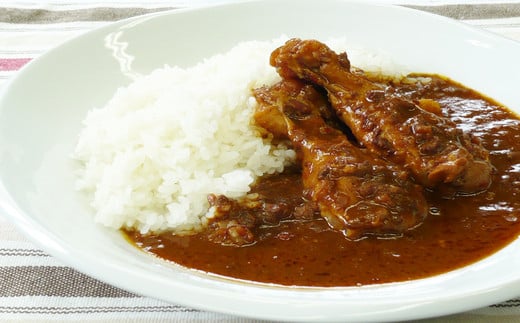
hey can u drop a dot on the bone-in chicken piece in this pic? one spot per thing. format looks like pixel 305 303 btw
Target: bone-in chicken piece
pixel 357 193
pixel 268 115
pixel 437 153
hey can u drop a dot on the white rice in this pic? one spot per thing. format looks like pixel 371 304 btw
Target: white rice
pixel 151 156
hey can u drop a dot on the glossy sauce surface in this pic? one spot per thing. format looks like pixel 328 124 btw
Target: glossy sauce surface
pixel 457 232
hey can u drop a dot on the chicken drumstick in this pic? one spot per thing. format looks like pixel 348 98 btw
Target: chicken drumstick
pixel 356 193
pixel 431 147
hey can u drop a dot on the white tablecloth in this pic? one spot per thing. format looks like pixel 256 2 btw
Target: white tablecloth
pixel 36 287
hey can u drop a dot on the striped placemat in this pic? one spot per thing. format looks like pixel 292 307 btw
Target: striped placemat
pixel 35 286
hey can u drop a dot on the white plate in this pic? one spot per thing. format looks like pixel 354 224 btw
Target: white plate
pixel 41 111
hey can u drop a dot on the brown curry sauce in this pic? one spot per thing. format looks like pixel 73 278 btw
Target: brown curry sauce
pixel 456 233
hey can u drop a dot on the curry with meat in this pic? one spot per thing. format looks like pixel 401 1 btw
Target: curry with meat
pixel 395 180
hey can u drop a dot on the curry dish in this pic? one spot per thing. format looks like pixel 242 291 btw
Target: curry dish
pixel 395 180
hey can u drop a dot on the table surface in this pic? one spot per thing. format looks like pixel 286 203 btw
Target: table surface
pixel 36 287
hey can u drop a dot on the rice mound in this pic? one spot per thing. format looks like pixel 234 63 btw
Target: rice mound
pixel 151 156
pixel 162 144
